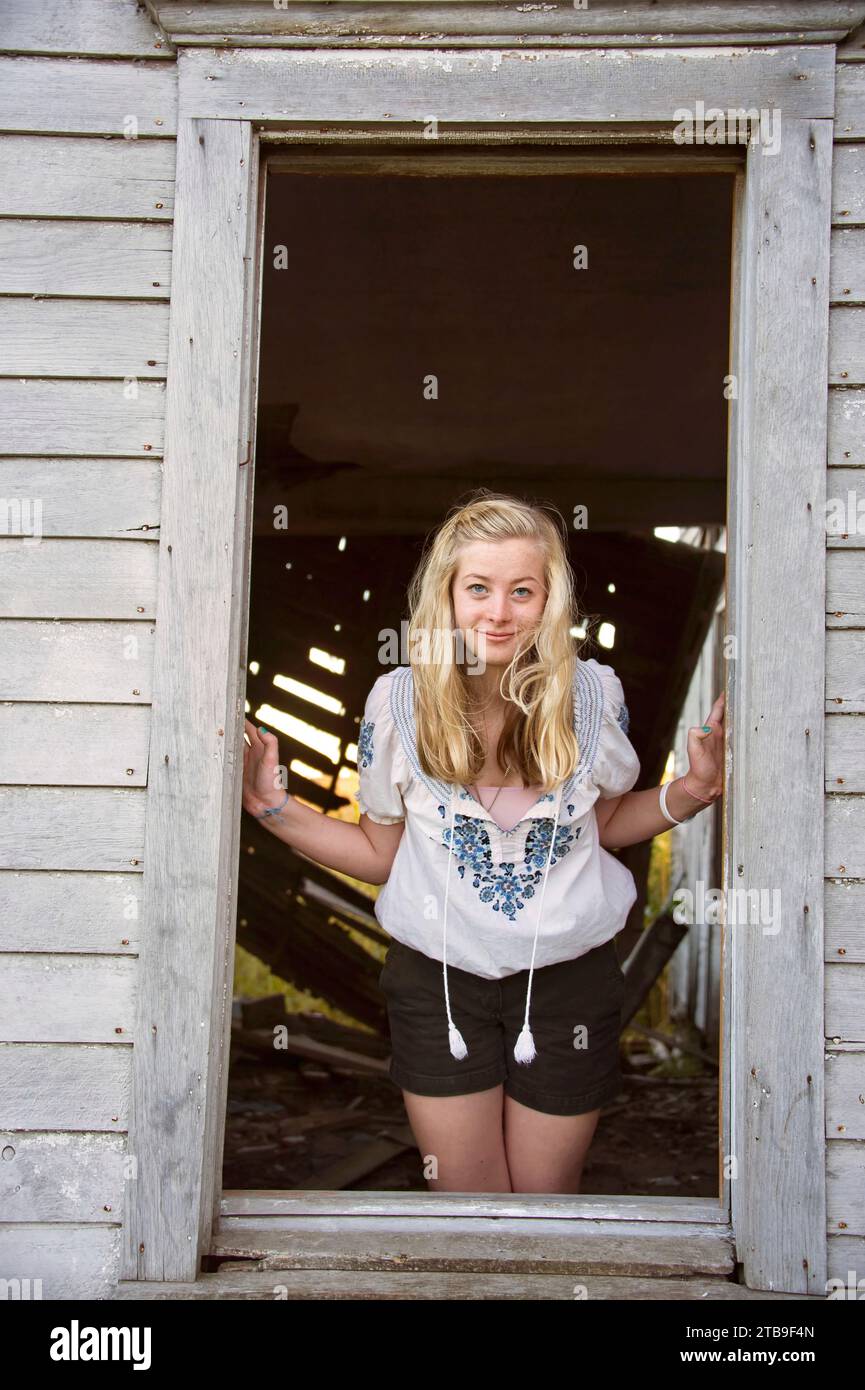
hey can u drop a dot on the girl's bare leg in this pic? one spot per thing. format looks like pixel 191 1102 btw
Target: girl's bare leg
pixel 463 1135
pixel 546 1153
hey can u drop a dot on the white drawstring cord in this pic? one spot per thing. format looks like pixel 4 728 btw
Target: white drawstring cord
pixel 455 1038
pixel 525 1048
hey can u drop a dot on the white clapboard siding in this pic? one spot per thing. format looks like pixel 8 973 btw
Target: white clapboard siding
pixel 847 345
pixel 70 178
pixel 845 753
pixel 844 896
pixel 100 662
pixel 845 1260
pixel 55 1176
pixel 67 998
pixel 78 745
pixel 97 913
pixel 114 260
pixel 847 265
pixel 78 417
pixel 845 1095
pixel 848 185
pixel 94 828
pixel 845 836
pixel 83 338
pixel 85 278
pixel 845 671
pixel 79 96
pixel 845 915
pixel 849 101
pixel 110 498
pixel 846 428
pixel 106 28
pixel 845 1001
pixel 845 588
pixel 845 507
pixel 65 1086
pixel 845 1190
pixel 62 1260
pixel 77 578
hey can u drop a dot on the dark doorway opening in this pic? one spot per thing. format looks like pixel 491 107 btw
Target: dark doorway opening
pixel 426 330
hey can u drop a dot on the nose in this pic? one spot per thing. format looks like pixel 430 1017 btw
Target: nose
pixel 499 609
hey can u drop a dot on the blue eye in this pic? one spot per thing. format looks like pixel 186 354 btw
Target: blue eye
pixel 520 588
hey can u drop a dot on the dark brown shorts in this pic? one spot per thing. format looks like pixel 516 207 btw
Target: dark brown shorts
pixel 575 1018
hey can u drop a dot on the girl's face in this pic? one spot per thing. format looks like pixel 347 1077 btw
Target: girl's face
pixel 497 592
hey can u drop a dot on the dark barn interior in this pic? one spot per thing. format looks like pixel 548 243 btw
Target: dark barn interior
pixel 600 387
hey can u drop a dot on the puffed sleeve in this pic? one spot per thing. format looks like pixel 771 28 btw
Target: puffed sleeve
pixel 616 766
pixel 381 765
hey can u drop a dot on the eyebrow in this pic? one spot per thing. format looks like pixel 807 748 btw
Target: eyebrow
pixel 485 578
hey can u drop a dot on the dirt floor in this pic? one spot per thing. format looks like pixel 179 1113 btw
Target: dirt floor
pixel 296 1123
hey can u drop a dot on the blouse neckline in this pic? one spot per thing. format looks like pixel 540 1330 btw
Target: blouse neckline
pixel 588 704
pixel 523 798
pixel 490 787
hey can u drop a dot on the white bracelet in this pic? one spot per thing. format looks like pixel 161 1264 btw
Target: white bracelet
pixel 663 804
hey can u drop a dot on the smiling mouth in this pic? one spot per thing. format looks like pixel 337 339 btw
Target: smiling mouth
pixel 496 636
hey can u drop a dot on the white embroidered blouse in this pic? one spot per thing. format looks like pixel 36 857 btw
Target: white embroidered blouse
pixel 488 916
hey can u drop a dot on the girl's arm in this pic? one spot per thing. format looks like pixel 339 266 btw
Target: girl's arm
pixel 365 851
pixel 638 816
pixel 604 808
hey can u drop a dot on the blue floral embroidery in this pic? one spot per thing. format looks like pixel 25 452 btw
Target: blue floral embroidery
pixel 506 886
pixel 364 744
pixel 624 719
pixel 441 811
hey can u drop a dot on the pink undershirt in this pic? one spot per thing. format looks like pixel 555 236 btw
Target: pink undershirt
pixel 510 804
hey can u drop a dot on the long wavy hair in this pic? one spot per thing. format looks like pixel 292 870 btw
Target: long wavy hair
pixel 537 737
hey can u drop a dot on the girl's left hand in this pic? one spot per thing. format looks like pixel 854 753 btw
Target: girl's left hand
pixel 706 754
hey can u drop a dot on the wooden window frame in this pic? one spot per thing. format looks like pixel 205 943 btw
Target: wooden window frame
pixel 771 1092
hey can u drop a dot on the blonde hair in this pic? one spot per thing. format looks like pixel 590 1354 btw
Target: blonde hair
pixel 538 737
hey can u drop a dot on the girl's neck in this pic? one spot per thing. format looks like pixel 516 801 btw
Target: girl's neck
pixel 484 691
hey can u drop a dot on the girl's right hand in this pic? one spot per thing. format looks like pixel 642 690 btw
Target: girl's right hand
pixel 261 787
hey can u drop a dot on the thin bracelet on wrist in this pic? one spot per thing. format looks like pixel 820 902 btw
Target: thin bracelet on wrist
pixel 662 801
pixel 707 800
pixel 272 810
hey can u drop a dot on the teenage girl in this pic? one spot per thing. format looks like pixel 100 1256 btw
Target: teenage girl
pixel 495 774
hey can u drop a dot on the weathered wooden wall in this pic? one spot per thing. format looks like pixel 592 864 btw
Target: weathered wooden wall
pixel 85 261
pixel 845 684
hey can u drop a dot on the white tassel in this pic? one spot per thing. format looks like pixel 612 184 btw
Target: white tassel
pixel 457 1042
pixel 525 1048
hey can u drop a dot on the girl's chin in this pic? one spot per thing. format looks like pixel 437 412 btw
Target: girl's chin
pixel 491 654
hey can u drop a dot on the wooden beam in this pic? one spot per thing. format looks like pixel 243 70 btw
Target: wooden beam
pixel 614 87
pixel 452 22
pixel 775 716
pixel 480 161
pixel 232 1283
pixel 180 1061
